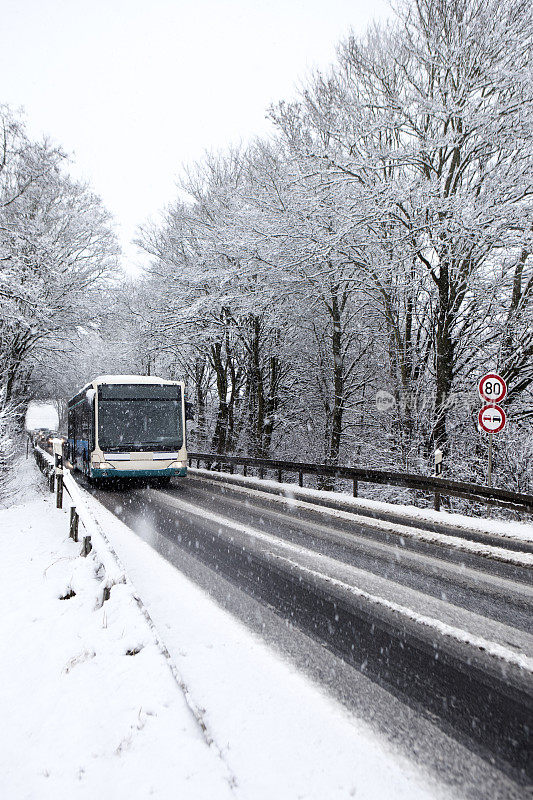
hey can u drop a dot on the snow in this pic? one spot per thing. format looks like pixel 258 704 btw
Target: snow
pixel 82 718
pixel 506 529
pixel 132 379
pixel 120 379
pixel 113 571
pixel 41 415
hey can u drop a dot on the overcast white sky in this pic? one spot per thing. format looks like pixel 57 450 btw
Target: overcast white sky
pixel 134 89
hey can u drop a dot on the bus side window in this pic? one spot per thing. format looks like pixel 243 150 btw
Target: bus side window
pixel 91 429
pixel 70 433
pixel 84 422
pixel 79 432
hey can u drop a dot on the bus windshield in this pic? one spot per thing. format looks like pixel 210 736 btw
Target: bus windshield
pixel 152 421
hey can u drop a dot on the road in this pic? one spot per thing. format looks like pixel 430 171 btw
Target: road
pixel 443 627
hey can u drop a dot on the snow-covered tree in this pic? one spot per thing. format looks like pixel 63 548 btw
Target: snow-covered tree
pixel 382 240
pixel 57 250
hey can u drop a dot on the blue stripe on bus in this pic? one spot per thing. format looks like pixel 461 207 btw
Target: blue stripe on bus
pixel 180 472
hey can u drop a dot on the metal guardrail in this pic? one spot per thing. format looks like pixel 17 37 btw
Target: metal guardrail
pixel 437 486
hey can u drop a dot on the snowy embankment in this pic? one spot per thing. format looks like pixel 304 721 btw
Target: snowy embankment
pixel 83 717
pixel 90 707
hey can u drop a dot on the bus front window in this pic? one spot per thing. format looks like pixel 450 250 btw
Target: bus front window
pixel 143 424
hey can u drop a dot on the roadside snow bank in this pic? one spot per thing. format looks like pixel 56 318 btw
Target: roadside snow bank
pixel 90 707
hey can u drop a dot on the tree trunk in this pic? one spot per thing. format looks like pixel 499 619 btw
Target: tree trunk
pixel 336 410
pixel 444 362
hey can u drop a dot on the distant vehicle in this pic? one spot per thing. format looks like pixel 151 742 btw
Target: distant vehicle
pixel 43 437
pixel 128 426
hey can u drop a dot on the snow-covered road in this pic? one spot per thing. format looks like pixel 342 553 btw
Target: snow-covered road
pixel 82 717
pixel 272 555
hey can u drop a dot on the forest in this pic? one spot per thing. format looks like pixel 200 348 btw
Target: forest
pixel 330 293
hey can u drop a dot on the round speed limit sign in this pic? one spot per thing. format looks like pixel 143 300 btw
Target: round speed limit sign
pixel 492 388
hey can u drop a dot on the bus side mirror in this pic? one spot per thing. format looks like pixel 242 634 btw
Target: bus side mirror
pixel 189 410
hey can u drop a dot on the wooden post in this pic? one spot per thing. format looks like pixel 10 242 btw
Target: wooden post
pixel 437 501
pixel 300 479
pixel 51 481
pixel 245 471
pixel 86 546
pixel 59 492
pixel 57 447
pixel 279 476
pixel 261 472
pixel 355 487
pixel 74 519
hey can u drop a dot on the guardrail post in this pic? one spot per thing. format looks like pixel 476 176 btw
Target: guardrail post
pixel 300 479
pixel 436 504
pixel 261 472
pixel 355 487
pixel 245 470
pixel 279 476
pixel 51 481
pixel 59 491
pixel 74 520
pixel 57 446
pixel 86 546
pixel 231 468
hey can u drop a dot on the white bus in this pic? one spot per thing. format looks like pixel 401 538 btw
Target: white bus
pixel 128 426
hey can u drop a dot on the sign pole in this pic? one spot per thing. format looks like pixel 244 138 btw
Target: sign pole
pixel 489 482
